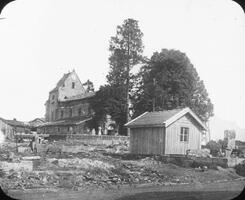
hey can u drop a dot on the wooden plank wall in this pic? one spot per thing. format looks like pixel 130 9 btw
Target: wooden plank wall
pixel 173 143
pixel 147 140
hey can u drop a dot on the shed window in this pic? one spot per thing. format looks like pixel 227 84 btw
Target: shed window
pixel 184 134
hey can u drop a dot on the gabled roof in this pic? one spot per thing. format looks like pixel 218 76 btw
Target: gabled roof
pixel 61 82
pixel 36 122
pixel 38 119
pixel 79 96
pixel 15 123
pixel 163 118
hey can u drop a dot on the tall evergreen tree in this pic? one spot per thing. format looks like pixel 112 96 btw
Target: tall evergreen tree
pixel 170 81
pixel 126 51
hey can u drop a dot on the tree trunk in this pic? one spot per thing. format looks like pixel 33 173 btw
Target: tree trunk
pixel 127 87
pixel 127 101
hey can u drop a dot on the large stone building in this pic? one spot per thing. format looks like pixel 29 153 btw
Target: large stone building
pixel 67 108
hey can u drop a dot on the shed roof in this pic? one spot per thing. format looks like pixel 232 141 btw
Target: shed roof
pixel 162 118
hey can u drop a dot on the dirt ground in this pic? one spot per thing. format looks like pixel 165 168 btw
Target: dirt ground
pixel 77 167
pixel 222 190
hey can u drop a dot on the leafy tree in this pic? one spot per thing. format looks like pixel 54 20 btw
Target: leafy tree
pixel 126 51
pixel 109 101
pixel 223 144
pixel 168 81
pixel 89 86
pixel 214 148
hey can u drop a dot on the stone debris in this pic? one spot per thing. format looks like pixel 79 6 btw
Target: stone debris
pixel 16 166
pixel 79 166
pixel 199 153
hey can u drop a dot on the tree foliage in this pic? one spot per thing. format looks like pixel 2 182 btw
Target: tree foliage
pixel 89 86
pixel 172 82
pixel 214 147
pixel 109 101
pixel 126 51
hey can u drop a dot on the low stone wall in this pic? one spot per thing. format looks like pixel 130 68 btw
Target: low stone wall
pixel 91 139
pixel 100 139
pixel 210 162
pixel 186 161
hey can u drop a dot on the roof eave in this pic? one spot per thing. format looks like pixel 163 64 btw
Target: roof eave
pixel 182 113
pixel 147 125
pixel 128 124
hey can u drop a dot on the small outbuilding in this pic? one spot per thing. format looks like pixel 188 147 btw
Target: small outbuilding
pixel 166 132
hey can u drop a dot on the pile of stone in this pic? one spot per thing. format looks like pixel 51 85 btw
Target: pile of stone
pixel 199 153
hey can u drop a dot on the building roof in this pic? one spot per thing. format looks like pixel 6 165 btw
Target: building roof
pixel 79 96
pixel 163 118
pixel 65 122
pixel 15 123
pixel 61 82
pixel 36 121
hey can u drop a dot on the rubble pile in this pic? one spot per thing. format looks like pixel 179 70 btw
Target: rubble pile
pixel 78 166
pixel 199 153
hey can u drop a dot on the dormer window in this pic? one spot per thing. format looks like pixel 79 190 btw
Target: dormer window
pixel 73 85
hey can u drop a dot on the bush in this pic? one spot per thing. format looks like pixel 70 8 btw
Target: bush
pixel 2 173
pixel 214 147
pixel 240 169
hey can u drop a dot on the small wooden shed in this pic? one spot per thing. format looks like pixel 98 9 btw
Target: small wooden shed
pixel 166 132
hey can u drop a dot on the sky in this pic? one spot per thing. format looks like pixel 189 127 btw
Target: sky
pixel 40 40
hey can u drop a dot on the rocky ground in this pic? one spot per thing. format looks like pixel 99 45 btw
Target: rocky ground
pixel 76 166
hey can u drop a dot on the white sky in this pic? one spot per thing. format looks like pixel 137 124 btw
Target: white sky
pixel 42 39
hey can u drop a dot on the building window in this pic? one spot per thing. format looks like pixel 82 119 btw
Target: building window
pixel 52 115
pixel 58 129
pixel 184 134
pixel 73 85
pixel 53 97
pixel 61 114
pixel 79 111
pixel 70 113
